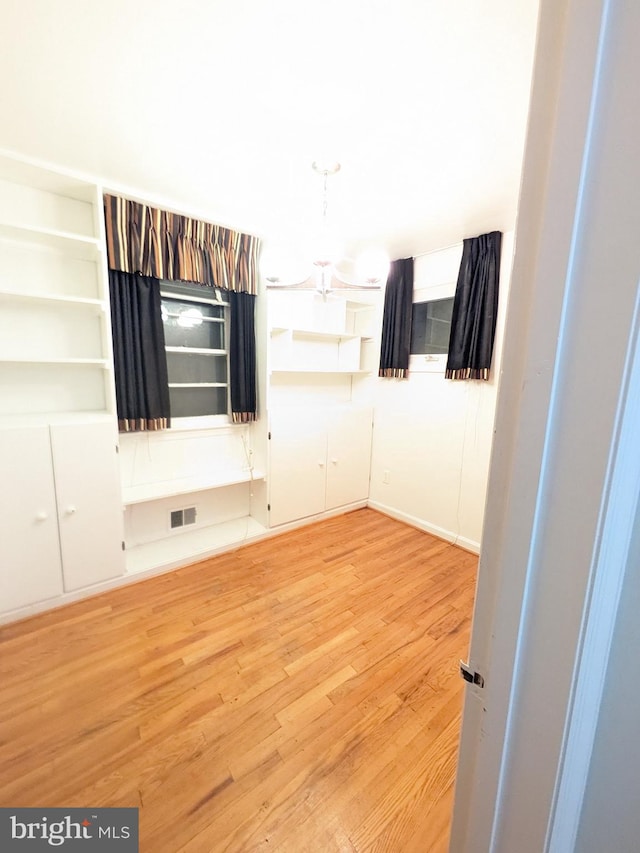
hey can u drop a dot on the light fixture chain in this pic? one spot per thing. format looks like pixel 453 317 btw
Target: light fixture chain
pixel 325 197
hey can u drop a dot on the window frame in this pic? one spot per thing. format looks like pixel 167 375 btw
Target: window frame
pixel 431 362
pixel 172 290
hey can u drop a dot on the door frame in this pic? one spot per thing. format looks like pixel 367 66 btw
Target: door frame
pixel 523 765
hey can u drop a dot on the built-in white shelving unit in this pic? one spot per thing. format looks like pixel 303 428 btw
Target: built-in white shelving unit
pixel 53 293
pixel 323 336
pixel 302 350
pixel 184 486
pixel 62 531
pixel 322 352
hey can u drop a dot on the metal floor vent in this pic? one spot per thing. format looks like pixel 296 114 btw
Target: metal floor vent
pixel 182 517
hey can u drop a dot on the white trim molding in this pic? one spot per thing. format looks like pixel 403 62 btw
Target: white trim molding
pixel 611 560
pixel 421 524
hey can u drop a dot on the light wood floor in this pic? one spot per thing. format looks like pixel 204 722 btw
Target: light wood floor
pixel 300 694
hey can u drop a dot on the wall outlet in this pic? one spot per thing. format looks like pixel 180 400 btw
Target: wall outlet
pixel 386 475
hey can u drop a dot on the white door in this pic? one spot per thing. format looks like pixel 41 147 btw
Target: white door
pixel 297 467
pixel 89 502
pixel 348 457
pixel 30 568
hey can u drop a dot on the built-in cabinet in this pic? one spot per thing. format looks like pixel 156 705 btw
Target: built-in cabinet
pixel 31 566
pixel 323 354
pixel 61 525
pixel 87 481
pixel 61 514
pixel 320 459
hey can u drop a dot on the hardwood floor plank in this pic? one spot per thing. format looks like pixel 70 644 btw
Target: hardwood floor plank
pixel 298 694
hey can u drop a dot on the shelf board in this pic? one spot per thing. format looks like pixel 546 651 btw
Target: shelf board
pixel 187 297
pixel 94 362
pixel 196 351
pixel 20 170
pixel 317 370
pixel 315 335
pixel 184 547
pixel 79 245
pixel 352 305
pixel 169 488
pixel 80 301
pixel 43 418
pixel 197 385
pixel 175 314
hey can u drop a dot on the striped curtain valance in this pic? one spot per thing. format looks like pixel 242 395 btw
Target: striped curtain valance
pixel 165 245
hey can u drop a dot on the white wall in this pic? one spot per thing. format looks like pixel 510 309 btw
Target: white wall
pixel 432 436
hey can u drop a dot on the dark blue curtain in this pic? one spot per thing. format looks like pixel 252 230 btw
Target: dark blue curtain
pixel 242 357
pixel 142 384
pixel 396 320
pixel 475 308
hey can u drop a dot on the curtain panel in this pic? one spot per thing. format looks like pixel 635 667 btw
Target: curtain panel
pixel 242 357
pixel 475 308
pixel 142 384
pixel 396 320
pixel 143 239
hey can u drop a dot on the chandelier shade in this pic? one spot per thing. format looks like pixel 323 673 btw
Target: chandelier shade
pixel 322 262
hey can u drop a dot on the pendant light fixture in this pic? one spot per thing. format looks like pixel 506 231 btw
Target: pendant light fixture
pixel 369 270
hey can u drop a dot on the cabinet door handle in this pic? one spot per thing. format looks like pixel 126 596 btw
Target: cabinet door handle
pixel 71 509
pixel 334 461
pixel 42 515
pixel 321 464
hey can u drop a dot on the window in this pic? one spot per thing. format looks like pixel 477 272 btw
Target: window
pixel 431 327
pixel 195 320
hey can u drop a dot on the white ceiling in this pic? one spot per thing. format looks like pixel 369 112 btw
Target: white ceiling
pixel 218 108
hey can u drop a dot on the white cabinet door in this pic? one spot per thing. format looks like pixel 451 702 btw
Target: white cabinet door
pixel 89 503
pixel 30 568
pixel 297 471
pixel 319 460
pixel 348 457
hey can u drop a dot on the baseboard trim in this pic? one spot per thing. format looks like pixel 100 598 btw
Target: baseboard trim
pixel 312 519
pixel 455 539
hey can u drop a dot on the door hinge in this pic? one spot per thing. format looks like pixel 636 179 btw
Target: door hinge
pixel 123 545
pixel 269 435
pixel 269 507
pixel 470 675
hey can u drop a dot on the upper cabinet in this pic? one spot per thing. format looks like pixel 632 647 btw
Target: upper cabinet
pixel 55 350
